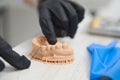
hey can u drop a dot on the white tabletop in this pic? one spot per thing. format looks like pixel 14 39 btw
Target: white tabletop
pixel 79 70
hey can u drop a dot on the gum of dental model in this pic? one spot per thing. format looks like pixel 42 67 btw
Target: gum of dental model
pixel 60 53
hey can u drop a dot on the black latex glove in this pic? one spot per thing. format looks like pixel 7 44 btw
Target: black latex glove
pixel 2 65
pixel 12 57
pixel 59 18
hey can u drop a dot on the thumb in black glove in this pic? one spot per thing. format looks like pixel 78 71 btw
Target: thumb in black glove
pixel 59 18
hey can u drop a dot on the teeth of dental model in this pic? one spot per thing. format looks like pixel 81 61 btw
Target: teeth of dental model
pixel 52 47
pixel 48 48
pixel 65 46
pixel 58 46
pixel 43 48
pixel 60 53
pixel 42 39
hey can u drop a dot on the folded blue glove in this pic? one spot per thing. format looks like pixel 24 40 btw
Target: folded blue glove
pixel 105 61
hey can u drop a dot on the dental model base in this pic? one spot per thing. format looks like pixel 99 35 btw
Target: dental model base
pixel 60 53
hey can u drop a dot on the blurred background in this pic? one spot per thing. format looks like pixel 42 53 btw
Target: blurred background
pixel 19 22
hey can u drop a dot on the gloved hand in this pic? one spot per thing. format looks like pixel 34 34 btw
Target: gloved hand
pixel 59 18
pixel 105 63
pixel 12 57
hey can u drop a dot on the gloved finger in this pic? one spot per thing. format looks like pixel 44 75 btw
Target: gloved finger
pixel 80 11
pixel 4 45
pixel 59 19
pixel 60 32
pixel 47 25
pixel 72 16
pixel 59 16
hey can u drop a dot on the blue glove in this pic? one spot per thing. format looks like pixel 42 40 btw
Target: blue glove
pixel 105 61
